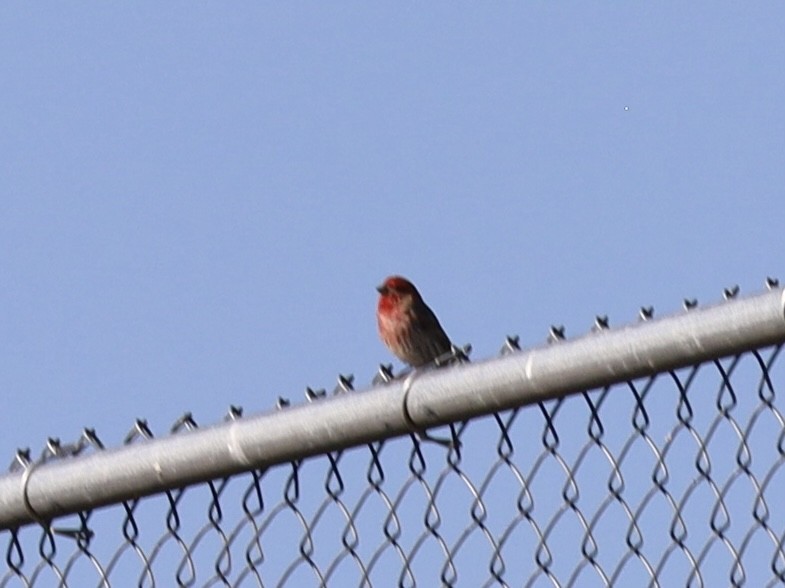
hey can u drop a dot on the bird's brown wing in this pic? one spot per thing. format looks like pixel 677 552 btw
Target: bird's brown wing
pixel 427 325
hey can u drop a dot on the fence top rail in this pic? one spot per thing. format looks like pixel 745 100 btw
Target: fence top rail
pixel 422 399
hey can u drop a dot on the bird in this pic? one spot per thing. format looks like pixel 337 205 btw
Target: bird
pixel 411 331
pixel 407 325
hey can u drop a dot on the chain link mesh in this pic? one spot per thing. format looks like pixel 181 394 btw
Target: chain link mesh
pixel 672 480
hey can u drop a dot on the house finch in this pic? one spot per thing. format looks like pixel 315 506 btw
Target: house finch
pixel 407 326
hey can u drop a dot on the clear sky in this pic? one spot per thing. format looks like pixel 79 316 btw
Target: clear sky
pixel 197 199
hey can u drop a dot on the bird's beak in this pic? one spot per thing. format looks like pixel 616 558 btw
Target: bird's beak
pixel 381 289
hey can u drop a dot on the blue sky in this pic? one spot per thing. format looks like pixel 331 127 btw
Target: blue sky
pixel 197 200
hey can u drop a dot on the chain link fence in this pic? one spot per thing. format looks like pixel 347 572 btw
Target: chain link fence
pixel 675 478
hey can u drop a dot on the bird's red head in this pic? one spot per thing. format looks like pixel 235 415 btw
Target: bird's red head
pixel 396 285
pixel 394 291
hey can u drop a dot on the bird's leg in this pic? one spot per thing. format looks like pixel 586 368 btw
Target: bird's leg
pixel 454 355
